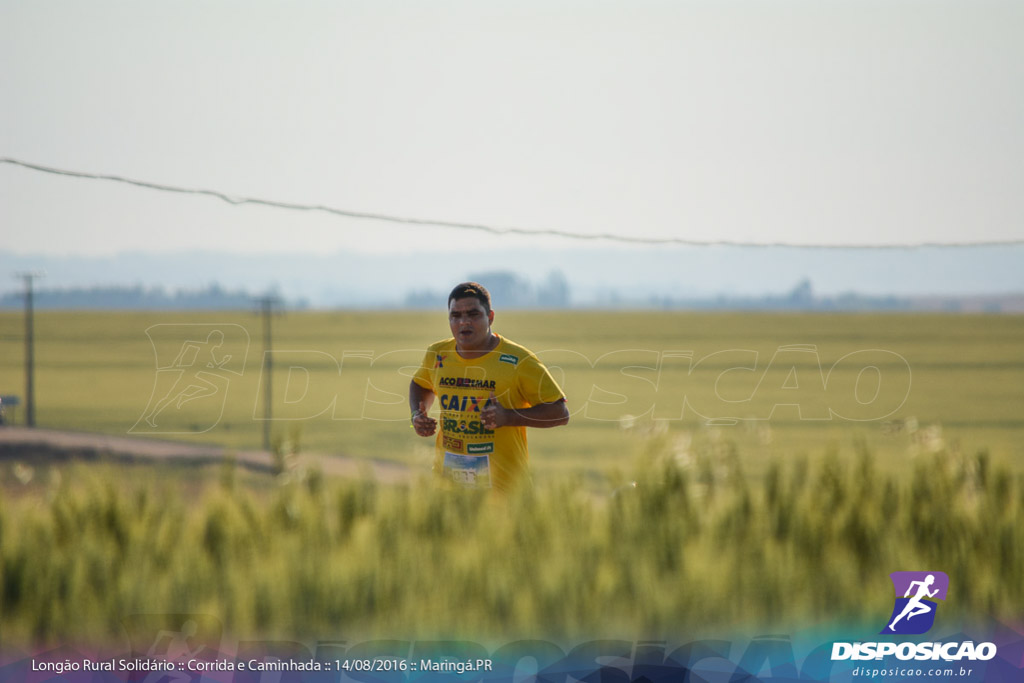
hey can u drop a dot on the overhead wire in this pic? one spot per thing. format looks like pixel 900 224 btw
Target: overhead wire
pixel 495 230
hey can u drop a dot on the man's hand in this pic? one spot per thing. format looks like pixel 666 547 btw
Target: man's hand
pixel 493 415
pixel 422 423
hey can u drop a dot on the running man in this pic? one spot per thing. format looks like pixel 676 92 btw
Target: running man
pixel 490 390
pixel 914 606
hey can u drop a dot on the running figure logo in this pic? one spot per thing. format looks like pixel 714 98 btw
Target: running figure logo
pixel 914 613
pixel 193 371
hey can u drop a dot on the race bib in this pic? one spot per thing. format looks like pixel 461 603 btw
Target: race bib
pixel 468 471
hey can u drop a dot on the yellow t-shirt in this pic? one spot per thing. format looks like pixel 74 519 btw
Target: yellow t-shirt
pixel 468 453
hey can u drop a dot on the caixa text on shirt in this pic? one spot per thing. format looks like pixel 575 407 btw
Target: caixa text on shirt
pixel 462 403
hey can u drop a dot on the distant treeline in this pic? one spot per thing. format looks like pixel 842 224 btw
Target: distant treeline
pixel 507 290
pixel 511 291
pixel 212 297
pixel 803 298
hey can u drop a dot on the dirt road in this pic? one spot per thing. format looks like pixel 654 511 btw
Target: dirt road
pixel 22 443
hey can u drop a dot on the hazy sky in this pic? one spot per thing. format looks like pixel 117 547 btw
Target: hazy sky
pixel 823 121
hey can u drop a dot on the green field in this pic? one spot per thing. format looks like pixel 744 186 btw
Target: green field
pixel 686 495
pixel 339 380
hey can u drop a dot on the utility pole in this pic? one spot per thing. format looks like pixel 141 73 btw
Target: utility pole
pixel 30 394
pixel 266 306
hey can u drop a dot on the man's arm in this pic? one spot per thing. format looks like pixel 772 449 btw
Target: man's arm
pixel 554 414
pixel 420 400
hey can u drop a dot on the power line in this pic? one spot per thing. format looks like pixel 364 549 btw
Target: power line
pixel 479 227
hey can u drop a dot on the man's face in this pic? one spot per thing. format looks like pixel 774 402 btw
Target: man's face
pixel 470 323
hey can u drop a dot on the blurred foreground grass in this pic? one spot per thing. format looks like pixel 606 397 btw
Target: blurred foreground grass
pixel 681 545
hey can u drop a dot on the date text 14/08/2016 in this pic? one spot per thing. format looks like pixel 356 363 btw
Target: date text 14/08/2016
pixel 448 666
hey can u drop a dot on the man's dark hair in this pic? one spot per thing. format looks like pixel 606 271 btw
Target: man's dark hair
pixel 471 290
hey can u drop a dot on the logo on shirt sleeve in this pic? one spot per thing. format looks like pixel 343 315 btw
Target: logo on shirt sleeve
pixel 509 358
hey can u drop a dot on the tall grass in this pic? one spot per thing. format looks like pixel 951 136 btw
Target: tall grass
pixel 679 546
